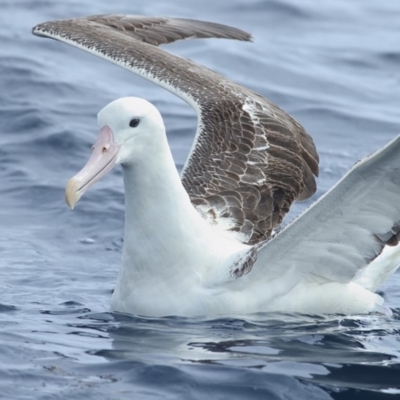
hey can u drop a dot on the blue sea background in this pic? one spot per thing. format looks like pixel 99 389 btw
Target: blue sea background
pixel 333 65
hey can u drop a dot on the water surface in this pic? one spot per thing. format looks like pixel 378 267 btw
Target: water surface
pixel 332 65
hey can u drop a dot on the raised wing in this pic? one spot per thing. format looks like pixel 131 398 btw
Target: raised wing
pixel 250 160
pixel 151 30
pixel 346 229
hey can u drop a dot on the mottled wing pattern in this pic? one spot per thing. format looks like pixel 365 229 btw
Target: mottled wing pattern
pixel 250 160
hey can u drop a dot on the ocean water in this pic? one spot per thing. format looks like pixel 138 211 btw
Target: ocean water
pixel 333 65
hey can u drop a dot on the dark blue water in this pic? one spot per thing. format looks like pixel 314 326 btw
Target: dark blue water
pixel 333 65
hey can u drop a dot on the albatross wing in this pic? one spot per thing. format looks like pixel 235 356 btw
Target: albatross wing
pixel 339 238
pixel 250 160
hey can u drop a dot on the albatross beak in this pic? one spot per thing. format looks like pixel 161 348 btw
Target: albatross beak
pixel 101 161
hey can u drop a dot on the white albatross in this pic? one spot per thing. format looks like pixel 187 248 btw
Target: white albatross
pixel 201 244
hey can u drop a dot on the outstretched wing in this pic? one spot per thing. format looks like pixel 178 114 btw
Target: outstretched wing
pixel 250 160
pixel 346 229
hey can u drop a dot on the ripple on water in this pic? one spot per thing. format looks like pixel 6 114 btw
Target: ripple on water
pixel 334 67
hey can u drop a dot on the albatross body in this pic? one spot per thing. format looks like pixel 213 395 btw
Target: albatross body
pixel 202 243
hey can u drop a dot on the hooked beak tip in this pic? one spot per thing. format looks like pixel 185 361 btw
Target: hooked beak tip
pixel 71 193
pixel 100 162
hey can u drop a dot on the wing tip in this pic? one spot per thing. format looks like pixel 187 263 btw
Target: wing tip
pixel 39 30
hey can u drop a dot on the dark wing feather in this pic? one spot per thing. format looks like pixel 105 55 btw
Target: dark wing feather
pixel 250 160
pixel 249 164
pixel 151 30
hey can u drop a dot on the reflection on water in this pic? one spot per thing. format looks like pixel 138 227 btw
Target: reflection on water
pixel 331 353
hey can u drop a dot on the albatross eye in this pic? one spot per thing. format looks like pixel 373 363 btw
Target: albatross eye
pixel 134 122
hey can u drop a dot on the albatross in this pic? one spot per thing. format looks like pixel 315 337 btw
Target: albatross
pixel 206 242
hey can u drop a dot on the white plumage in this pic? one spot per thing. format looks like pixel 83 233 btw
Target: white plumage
pixel 191 246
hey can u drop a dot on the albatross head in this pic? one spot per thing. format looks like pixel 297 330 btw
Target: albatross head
pixel 123 124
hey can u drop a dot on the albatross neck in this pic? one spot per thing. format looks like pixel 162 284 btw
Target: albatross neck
pixel 170 251
pixel 163 231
